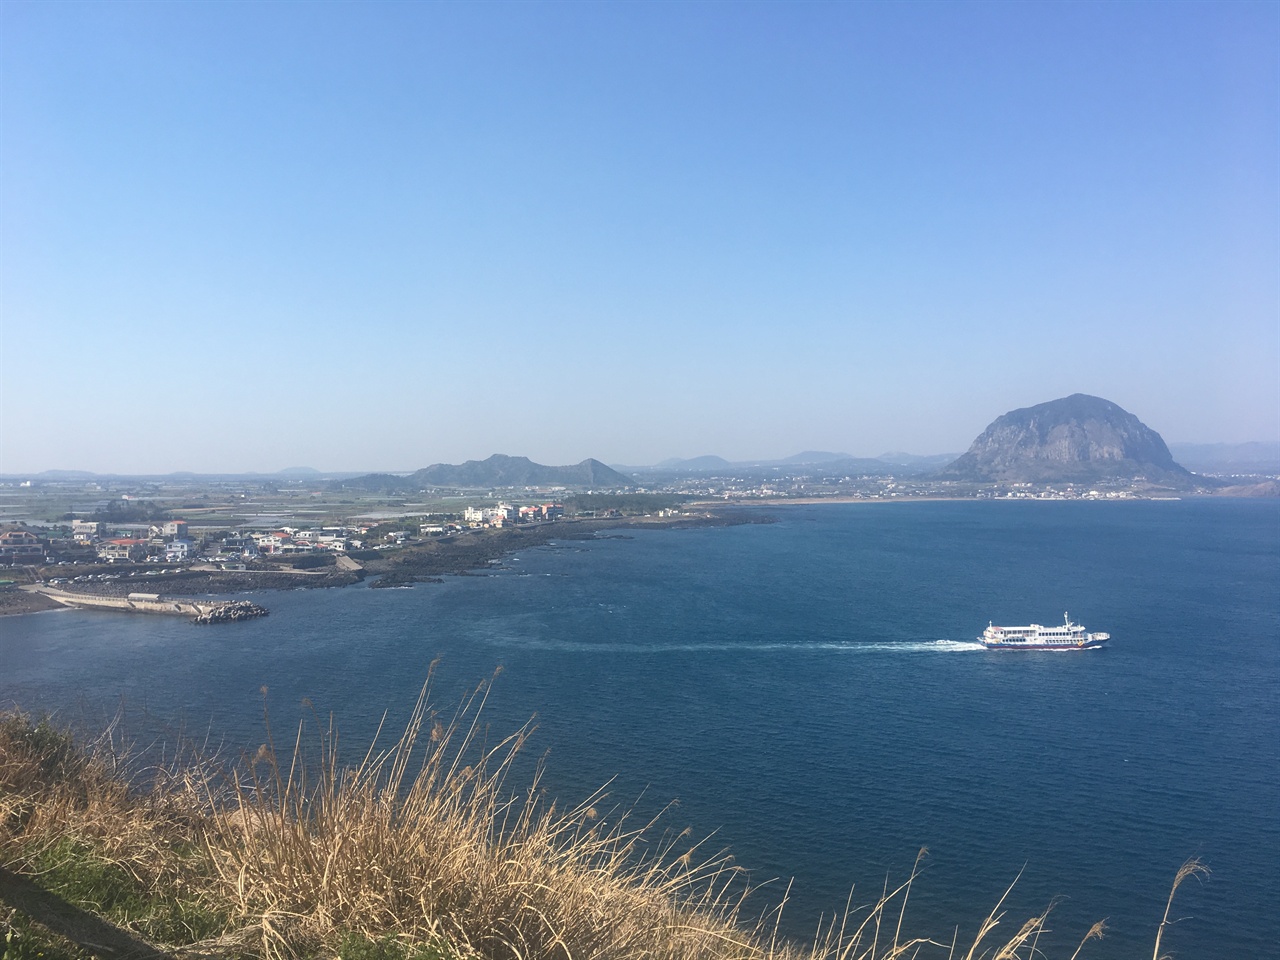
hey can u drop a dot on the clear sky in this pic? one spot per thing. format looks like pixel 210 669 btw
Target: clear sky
pixel 368 236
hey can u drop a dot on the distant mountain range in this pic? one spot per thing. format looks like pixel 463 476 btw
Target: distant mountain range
pixel 295 473
pixel 497 471
pixel 1228 458
pixel 1079 438
pixel 808 463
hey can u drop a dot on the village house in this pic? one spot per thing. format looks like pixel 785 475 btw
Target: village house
pixel 236 546
pixel 275 542
pixel 20 546
pixel 123 549
pixel 497 516
pixel 87 531
pixel 174 528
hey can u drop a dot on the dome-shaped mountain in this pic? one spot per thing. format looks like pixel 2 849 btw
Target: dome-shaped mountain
pixel 1078 439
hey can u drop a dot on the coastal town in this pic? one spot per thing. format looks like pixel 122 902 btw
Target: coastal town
pixel 179 542
pixel 229 523
pixel 64 543
pixel 106 534
pixel 191 534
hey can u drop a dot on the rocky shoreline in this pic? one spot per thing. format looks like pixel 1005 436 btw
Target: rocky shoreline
pixel 14 603
pixel 465 554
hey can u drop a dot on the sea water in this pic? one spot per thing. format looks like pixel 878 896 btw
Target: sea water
pixel 810 693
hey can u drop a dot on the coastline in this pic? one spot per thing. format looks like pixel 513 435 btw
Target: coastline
pixel 935 498
pixel 16 603
pixel 809 501
pixel 465 554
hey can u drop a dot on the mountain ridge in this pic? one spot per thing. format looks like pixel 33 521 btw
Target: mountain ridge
pixel 498 470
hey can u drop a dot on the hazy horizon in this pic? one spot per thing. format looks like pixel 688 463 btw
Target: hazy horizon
pixel 371 237
pixel 402 469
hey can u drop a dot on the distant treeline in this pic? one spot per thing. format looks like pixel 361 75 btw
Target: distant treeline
pixel 126 511
pixel 626 503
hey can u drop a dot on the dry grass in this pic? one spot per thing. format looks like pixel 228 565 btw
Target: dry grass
pixel 1192 868
pixel 419 852
pixel 69 818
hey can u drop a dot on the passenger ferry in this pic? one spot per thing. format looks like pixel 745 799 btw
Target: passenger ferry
pixel 1069 636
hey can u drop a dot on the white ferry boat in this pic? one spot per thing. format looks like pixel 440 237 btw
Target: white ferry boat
pixel 1069 636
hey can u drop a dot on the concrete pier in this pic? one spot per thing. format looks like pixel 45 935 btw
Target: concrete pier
pixel 200 611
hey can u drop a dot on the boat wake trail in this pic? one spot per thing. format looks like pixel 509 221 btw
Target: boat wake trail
pixel 927 646
pixel 747 647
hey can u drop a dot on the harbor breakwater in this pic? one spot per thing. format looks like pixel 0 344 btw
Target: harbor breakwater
pixel 200 611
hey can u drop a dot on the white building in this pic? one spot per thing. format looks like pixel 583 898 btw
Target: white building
pixel 87 531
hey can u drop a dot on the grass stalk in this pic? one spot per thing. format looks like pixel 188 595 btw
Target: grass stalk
pixel 420 851
pixel 1192 868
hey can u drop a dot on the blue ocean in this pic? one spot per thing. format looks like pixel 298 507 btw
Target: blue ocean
pixel 809 693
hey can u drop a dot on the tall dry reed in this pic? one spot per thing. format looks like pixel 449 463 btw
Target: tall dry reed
pixel 424 846
pixel 423 840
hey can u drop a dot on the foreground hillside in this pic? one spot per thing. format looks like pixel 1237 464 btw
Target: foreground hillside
pixel 419 853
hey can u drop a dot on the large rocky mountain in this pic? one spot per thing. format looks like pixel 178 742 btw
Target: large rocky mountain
pixel 1079 439
pixel 497 471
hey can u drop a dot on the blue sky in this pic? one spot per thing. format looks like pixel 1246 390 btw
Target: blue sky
pixel 239 236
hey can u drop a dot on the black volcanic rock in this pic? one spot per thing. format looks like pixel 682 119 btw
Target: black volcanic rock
pixel 1078 439
pixel 497 471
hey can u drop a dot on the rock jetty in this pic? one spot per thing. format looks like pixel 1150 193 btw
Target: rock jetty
pixel 230 611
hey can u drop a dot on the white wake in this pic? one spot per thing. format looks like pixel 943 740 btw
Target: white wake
pixel 746 647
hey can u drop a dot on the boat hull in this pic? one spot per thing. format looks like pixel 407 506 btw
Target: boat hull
pixel 1004 645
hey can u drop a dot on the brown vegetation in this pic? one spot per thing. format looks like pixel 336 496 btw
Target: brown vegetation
pixel 419 852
